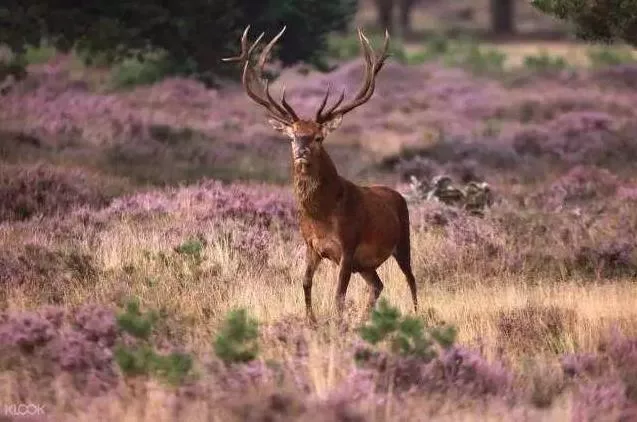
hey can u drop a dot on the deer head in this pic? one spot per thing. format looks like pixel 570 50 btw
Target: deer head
pixel 306 135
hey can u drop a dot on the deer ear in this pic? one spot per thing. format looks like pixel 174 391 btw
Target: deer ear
pixel 331 125
pixel 281 127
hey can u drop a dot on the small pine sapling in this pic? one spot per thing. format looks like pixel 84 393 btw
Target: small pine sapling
pixel 237 341
pixel 403 336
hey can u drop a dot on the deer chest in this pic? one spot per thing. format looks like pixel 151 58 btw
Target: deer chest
pixel 323 240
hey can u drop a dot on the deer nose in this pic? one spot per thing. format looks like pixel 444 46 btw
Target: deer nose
pixel 301 153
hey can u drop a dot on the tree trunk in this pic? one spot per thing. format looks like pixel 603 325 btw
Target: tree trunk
pixel 406 7
pixel 502 17
pixel 385 10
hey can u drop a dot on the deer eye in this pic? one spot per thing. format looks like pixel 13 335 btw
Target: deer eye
pixel 318 138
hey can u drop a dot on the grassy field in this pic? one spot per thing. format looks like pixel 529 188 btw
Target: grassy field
pixel 176 198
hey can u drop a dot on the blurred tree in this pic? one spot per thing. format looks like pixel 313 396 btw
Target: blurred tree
pixel 405 11
pixel 194 34
pixel 596 20
pixel 385 9
pixel 503 17
pixel 385 13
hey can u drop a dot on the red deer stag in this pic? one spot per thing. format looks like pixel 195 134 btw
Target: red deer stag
pixel 356 227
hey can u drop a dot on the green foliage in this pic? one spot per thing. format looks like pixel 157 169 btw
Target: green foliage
pixel 477 59
pixel 134 322
pixel 39 54
pixel 193 36
pixel 601 56
pixel 237 340
pixel 544 62
pixel 141 359
pixel 192 248
pixel 404 335
pixel 596 20
pixel 131 72
pixel 134 361
pixel 462 52
pixel 349 47
pixel 435 47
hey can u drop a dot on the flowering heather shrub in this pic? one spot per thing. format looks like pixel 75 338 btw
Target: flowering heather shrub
pixel 603 401
pixel 457 371
pixel 258 205
pixel 577 187
pixel 42 189
pixel 613 257
pixel 96 323
pixel 28 331
pixel 43 343
pixel 533 106
pixel 241 377
pixel 590 137
pixel 620 76
pixel 607 380
pixel 578 138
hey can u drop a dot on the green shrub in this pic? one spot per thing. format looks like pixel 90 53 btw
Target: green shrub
pixel 349 47
pixel 544 62
pixel 604 56
pixel 473 57
pixel 435 48
pixel 141 359
pixel 237 340
pixel 403 335
pixel 462 52
pixel 39 54
pixel 134 322
pixel 131 72
pixel 192 248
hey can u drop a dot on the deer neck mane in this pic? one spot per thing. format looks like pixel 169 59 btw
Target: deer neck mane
pixel 318 190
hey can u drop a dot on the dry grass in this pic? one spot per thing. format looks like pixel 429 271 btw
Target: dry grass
pixel 125 256
pixel 509 282
pixel 197 297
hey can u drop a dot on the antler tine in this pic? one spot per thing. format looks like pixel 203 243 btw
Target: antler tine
pixel 373 64
pixel 368 54
pixel 324 102
pixel 283 114
pixel 273 102
pixel 287 106
pixel 245 51
pixel 336 104
pixel 267 49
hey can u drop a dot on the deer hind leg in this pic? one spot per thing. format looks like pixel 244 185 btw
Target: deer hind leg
pixel 403 258
pixel 312 261
pixel 375 288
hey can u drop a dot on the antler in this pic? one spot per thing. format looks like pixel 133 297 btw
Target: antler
pixel 373 64
pixel 282 112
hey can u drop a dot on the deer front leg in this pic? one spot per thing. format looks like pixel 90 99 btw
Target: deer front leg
pixel 312 260
pixel 344 275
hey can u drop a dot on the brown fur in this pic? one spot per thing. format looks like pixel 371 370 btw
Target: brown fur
pixel 356 227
